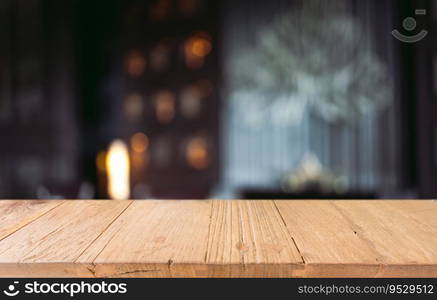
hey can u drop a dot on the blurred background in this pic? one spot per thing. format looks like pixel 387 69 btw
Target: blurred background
pixel 217 99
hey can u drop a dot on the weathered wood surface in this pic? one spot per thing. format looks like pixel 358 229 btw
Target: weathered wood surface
pixel 218 238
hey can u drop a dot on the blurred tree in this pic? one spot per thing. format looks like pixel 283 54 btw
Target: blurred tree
pixel 311 57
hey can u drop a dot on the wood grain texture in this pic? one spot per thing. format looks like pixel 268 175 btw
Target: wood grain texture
pixel 402 238
pixel 218 238
pixel 362 237
pixel 153 238
pixel 16 214
pixel 327 240
pixel 59 236
pixel 249 238
pixel 423 211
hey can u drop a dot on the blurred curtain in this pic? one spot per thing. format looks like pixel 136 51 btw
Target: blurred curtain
pixel 365 154
pixel 38 127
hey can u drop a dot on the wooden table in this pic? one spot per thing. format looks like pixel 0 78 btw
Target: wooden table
pixel 218 238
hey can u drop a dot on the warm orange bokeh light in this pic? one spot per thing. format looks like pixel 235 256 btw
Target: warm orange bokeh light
pixel 139 142
pixel 135 63
pixel 197 153
pixel 200 47
pixel 118 169
pixel 100 161
pixel 197 48
pixel 165 106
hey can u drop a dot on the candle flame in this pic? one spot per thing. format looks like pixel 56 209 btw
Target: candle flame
pixel 117 166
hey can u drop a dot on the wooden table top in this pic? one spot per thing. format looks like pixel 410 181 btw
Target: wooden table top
pixel 218 238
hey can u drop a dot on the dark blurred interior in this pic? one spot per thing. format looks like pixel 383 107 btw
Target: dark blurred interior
pixel 217 99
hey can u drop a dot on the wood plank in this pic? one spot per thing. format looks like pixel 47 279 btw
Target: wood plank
pixel 249 238
pixel 402 240
pixel 15 214
pixel 44 270
pixel 154 238
pixel 423 211
pixel 327 241
pixel 61 235
pixel 219 238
